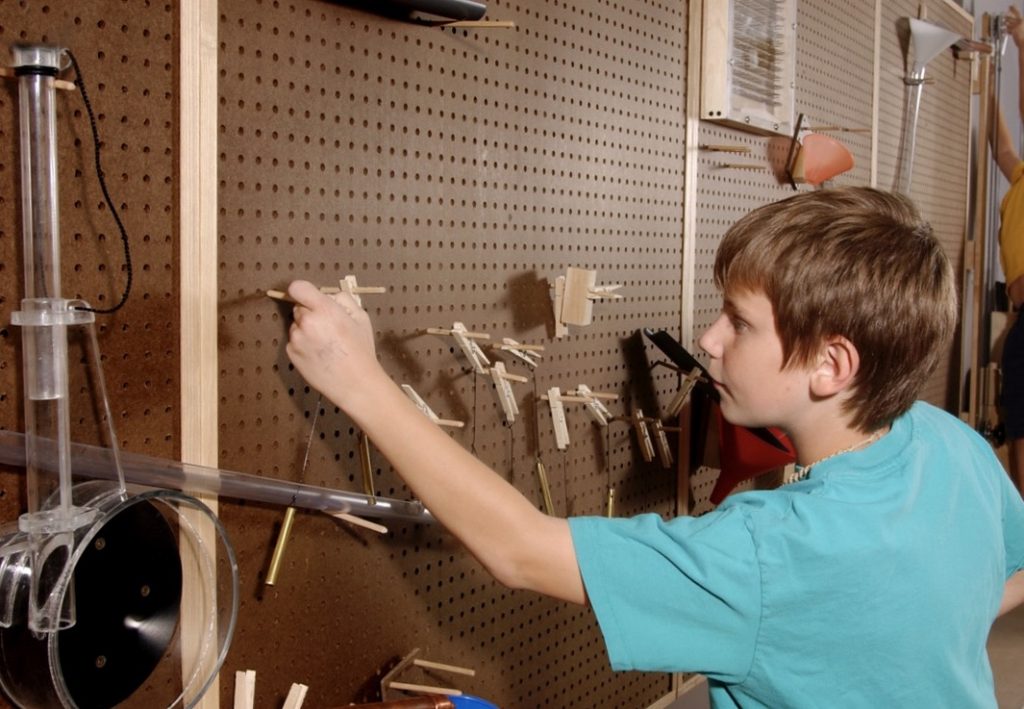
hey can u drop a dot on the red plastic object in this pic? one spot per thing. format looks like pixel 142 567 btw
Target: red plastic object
pixel 742 456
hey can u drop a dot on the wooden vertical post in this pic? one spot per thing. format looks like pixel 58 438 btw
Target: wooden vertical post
pixel 197 181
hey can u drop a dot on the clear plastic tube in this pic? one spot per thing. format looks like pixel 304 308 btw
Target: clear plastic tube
pixel 95 462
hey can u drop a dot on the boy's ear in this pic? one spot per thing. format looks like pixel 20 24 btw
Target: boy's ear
pixel 838 364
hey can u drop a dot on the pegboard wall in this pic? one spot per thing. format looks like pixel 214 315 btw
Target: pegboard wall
pixel 463 170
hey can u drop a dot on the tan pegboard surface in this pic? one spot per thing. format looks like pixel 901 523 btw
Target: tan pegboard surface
pixel 464 171
pixel 127 53
pixel 940 174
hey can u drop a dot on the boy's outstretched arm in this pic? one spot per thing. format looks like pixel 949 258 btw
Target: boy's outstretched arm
pixel 331 344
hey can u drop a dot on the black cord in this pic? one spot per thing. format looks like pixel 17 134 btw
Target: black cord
pixel 106 194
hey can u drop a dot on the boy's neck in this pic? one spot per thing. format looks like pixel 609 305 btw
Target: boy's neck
pixel 822 435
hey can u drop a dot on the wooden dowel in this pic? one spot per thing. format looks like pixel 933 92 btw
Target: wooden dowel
pixel 358 521
pixel 429 664
pixel 739 149
pixel 838 129
pixel 470 335
pixel 426 689
pixel 742 166
pixel 450 423
pixel 566 398
pixel 367 467
pixel 515 377
pixel 545 488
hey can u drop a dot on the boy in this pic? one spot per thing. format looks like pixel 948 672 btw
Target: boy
pixel 873 581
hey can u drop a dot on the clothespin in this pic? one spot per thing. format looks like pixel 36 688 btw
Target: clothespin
pixel 466 341
pixel 679 400
pixel 594 404
pixel 347 284
pixel 427 411
pixel 561 329
pixel 643 436
pixel 661 441
pixel 245 689
pixel 579 290
pixel 545 488
pixel 527 353
pixel 501 380
pixel 388 683
pixel 554 398
pixel 296 696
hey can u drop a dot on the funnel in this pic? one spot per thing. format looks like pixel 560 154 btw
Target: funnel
pixel 927 41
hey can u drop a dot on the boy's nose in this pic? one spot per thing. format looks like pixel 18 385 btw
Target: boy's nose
pixel 709 341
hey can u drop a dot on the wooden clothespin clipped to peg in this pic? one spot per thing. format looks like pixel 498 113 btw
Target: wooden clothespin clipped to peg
pixel 594 403
pixel 661 440
pixel 245 689
pixel 506 396
pixel 527 353
pixel 575 293
pixel 554 397
pixel 679 400
pixel 348 284
pixel 427 411
pixel 643 435
pixel 389 683
pixel 467 343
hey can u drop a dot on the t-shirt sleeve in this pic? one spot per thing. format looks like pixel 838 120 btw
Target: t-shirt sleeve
pixel 677 596
pixel 1013 527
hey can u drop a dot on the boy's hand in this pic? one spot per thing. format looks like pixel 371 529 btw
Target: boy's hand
pixel 1014 25
pixel 330 342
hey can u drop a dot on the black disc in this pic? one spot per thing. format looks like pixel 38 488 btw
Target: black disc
pixel 127 597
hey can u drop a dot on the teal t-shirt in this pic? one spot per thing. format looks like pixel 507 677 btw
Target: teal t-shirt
pixel 874 582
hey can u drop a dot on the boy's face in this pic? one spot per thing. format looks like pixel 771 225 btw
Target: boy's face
pixel 746 363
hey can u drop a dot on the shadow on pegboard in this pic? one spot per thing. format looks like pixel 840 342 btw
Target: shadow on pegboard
pixel 529 302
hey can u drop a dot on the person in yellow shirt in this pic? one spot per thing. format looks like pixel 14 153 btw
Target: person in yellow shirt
pixel 1011 249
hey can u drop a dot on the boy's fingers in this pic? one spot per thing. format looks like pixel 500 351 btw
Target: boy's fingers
pixel 304 293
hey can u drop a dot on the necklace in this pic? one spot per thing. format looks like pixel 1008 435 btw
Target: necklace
pixel 800 472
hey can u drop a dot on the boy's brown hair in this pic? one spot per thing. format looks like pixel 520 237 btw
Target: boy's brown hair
pixel 855 262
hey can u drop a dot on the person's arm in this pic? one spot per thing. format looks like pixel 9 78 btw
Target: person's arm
pixel 1004 151
pixel 1013 594
pixel 331 345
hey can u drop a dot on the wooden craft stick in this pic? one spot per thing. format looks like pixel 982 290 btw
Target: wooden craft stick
pixel 245 689
pixel 425 689
pixel 296 696
pixel 358 521
pixel 444 668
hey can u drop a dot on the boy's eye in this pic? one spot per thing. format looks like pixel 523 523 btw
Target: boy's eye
pixel 738 324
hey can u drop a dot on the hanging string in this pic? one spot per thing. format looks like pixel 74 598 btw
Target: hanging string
pixel 80 83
